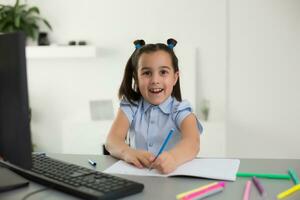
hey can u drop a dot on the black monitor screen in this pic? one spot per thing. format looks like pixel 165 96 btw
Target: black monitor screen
pixel 15 140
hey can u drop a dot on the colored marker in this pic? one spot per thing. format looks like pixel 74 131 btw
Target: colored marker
pixel 92 163
pixel 162 146
pixel 259 186
pixel 288 192
pixel 247 190
pixel 179 196
pixel 294 176
pixel 207 194
pixel 201 192
pixel 272 176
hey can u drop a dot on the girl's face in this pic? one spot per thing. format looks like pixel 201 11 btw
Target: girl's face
pixel 156 76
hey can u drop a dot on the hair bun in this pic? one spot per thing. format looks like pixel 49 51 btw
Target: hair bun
pixel 139 43
pixel 171 43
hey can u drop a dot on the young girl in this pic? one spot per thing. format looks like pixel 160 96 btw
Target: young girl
pixel 150 107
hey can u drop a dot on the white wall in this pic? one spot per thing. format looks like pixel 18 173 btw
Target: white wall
pixel 263 77
pixel 61 89
pixel 245 54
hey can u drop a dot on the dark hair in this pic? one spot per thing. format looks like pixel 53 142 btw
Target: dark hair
pixel 128 89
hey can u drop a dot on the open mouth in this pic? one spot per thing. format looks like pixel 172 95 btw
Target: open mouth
pixel 156 90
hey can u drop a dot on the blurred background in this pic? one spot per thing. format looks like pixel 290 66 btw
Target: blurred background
pixel 238 59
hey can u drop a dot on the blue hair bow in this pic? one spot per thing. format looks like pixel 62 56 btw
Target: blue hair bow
pixel 171 43
pixel 139 43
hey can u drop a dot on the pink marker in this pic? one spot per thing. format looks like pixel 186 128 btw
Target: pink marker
pixel 247 190
pixel 203 191
pixel 208 194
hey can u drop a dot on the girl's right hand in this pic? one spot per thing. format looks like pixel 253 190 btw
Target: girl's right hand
pixel 138 158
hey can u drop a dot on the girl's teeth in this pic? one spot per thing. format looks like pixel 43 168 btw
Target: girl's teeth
pixel 155 90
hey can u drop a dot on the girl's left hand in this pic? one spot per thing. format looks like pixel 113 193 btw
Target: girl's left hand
pixel 165 163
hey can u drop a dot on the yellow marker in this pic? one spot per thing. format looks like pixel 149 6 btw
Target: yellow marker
pixel 288 192
pixel 179 196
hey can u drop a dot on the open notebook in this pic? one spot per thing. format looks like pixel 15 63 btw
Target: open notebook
pixel 220 169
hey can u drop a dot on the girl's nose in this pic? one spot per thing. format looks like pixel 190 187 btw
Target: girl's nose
pixel 155 78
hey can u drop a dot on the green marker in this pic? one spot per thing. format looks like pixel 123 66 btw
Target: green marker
pixel 272 176
pixel 294 176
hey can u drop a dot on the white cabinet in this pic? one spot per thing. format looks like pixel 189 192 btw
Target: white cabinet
pixel 80 137
pixel 213 140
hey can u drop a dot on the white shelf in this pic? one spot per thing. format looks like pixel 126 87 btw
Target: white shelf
pixel 36 52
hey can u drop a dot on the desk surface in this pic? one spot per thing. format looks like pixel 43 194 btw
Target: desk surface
pixel 167 188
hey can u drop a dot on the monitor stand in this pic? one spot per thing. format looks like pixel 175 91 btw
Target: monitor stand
pixel 10 180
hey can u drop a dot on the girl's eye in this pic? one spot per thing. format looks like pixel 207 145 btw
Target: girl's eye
pixel 164 72
pixel 146 73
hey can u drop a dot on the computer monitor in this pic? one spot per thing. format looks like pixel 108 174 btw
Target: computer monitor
pixel 15 139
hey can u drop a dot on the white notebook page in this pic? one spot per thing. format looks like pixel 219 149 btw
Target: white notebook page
pixel 211 168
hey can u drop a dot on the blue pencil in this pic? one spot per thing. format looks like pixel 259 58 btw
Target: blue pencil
pixel 162 146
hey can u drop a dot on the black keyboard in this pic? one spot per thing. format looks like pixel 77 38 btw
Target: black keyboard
pixel 80 181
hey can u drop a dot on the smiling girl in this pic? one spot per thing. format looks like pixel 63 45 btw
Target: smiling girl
pixel 150 107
